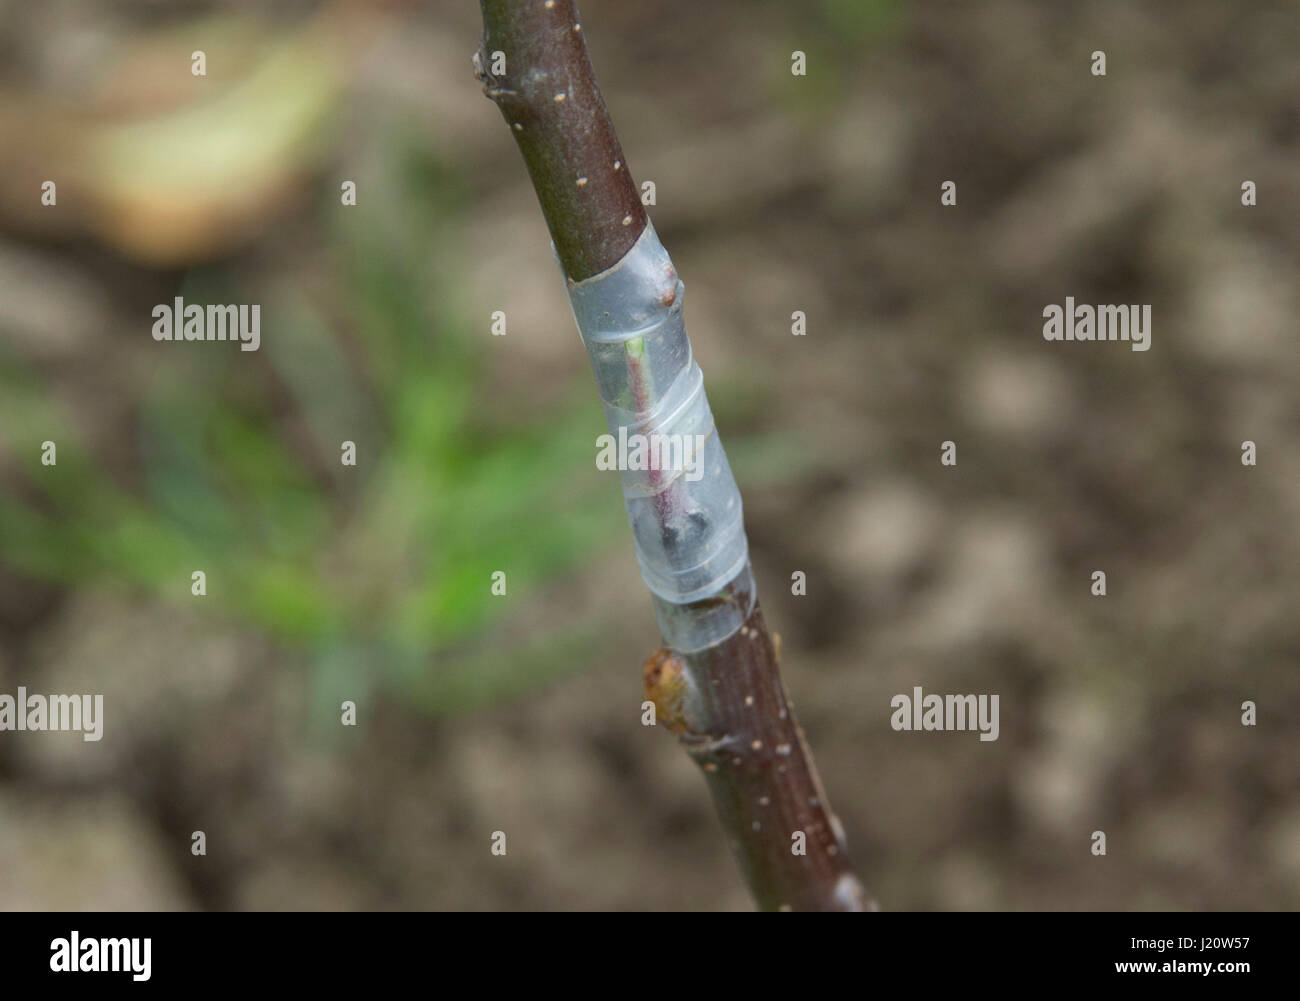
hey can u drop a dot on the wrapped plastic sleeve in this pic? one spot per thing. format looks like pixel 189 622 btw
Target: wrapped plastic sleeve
pixel 682 500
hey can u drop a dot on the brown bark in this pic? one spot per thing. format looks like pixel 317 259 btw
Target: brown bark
pixel 729 709
pixel 726 703
pixel 548 97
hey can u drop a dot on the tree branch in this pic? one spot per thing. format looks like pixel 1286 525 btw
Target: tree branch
pixel 729 710
pixel 725 703
pixel 548 96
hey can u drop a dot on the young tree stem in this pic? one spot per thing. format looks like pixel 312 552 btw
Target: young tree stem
pixel 726 703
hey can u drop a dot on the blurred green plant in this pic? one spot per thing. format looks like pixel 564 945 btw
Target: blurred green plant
pixel 382 567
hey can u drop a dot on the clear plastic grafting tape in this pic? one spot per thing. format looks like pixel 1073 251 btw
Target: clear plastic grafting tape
pixel 682 500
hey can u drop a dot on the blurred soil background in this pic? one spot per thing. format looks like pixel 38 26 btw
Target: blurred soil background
pixel 775 193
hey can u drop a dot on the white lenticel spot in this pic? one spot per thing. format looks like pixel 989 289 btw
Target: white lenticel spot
pixel 627 221
pixel 749 700
pixel 559 98
pixel 582 182
pixel 783 749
